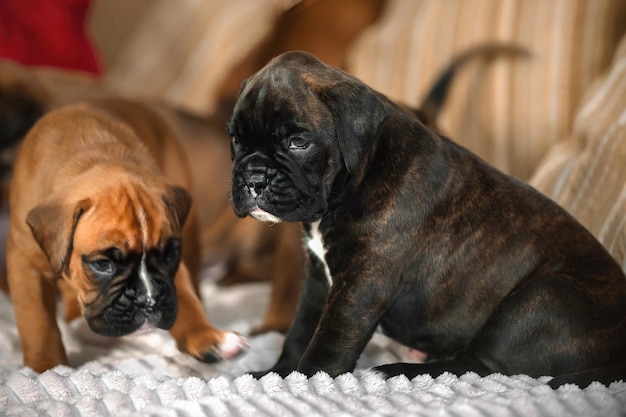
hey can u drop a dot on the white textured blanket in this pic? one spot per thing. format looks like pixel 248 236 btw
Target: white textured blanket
pixel 146 376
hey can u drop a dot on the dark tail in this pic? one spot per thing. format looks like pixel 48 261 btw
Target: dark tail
pixel 435 99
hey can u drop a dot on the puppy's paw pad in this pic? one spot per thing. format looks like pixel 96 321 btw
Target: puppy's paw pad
pixel 209 357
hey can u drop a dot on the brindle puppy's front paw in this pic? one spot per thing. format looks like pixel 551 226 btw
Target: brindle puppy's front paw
pixel 260 374
pixel 213 346
pixel 282 371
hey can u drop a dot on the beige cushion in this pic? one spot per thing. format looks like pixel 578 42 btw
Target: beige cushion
pixel 587 175
pixel 510 112
pixel 181 50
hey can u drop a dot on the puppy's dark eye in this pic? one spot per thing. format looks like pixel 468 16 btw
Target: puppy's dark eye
pixel 297 142
pixel 172 252
pixel 103 267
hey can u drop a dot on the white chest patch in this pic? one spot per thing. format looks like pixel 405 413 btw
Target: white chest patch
pixel 316 245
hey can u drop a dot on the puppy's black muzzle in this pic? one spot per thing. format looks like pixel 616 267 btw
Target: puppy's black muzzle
pixel 252 182
pixel 134 305
pixel 257 178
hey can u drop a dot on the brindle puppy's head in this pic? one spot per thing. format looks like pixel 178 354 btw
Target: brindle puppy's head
pixel 299 129
pixel 120 249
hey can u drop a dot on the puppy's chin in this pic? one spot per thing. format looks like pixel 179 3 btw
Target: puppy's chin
pixel 146 327
pixel 264 216
pixel 139 325
pixel 109 323
pixel 275 210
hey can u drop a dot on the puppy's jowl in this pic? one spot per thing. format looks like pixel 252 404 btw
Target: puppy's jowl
pixel 99 210
pixel 414 234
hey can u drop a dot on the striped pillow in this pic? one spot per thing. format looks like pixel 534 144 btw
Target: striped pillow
pixel 587 175
pixel 510 111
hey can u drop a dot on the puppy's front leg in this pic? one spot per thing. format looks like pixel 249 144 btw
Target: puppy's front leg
pixel 34 302
pixel 351 316
pixel 193 331
pixel 310 307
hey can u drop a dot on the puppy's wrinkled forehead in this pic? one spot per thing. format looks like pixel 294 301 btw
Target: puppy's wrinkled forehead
pixel 284 90
pixel 126 216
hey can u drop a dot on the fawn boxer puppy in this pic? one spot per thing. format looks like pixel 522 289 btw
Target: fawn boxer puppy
pixel 99 205
pixel 248 250
pixel 411 233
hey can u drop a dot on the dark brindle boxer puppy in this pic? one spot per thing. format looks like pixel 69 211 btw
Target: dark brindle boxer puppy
pixel 408 231
pixel 98 208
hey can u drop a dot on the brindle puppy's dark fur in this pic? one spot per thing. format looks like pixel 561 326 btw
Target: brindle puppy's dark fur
pixel 443 252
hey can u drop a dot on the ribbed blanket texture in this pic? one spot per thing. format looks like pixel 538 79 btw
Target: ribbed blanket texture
pixel 146 376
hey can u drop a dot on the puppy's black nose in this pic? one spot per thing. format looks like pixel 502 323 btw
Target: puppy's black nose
pixel 257 183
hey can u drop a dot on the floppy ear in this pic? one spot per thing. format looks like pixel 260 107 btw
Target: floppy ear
pixel 178 200
pixel 358 114
pixel 53 225
pixel 242 86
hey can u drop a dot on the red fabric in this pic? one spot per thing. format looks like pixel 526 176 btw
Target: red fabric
pixel 47 32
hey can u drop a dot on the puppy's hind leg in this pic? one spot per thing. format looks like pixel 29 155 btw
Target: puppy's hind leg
pixel 191 248
pixel 549 325
pixel 193 331
pixel 558 325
